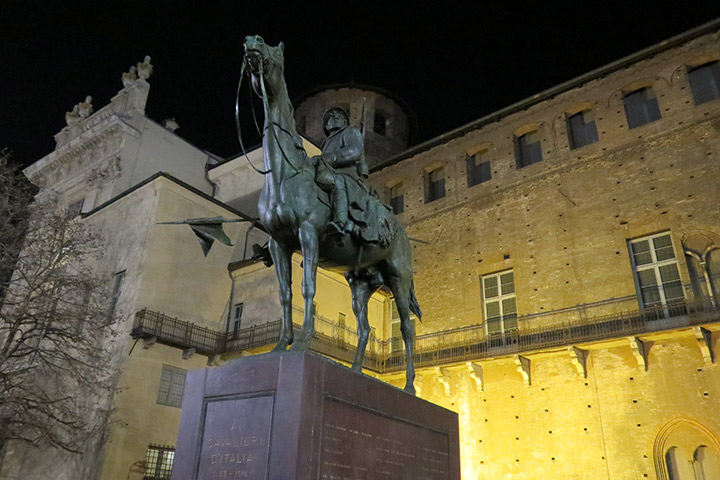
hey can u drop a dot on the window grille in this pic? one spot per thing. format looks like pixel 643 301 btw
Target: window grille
pixel 159 462
pixel 641 107
pixel 172 386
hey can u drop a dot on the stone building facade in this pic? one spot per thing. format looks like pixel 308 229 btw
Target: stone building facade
pixel 568 276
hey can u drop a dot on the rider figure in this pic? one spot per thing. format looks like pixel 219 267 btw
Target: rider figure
pixel 342 151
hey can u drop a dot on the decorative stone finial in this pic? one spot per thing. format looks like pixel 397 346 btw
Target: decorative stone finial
pixel 171 124
pixel 73 117
pixel 145 68
pixel 128 78
pixel 85 109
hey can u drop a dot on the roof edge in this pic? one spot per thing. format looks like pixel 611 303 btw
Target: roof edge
pixel 551 92
pixel 182 184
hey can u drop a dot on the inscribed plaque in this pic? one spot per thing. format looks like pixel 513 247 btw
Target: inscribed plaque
pixel 359 444
pixel 236 437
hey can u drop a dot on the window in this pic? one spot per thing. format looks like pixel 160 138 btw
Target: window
pixel 380 123
pixel 656 270
pixel 172 386
pixel 641 107
pixel 672 464
pixel 341 328
pixel 82 312
pixel 75 208
pixel 581 129
pixel 499 300
pixel 705 82
pixel 158 462
pixel 527 149
pixel 477 170
pixel 117 288
pixel 435 185
pixel 397 200
pixel 698 462
pixel 237 318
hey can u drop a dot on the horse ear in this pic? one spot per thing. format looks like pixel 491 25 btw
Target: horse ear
pixel 281 46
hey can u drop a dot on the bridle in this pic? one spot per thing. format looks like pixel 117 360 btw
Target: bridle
pixel 266 105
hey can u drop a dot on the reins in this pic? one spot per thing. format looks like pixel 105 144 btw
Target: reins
pixel 266 104
pixel 257 126
pixel 237 121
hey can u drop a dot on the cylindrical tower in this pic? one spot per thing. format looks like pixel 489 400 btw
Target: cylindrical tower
pixel 389 124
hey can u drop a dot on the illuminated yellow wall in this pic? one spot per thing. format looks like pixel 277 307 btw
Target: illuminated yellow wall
pixel 566 425
pixel 562 225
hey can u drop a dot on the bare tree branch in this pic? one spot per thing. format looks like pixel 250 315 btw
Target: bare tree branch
pixel 54 342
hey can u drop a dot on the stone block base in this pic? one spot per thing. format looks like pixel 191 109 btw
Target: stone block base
pixel 299 416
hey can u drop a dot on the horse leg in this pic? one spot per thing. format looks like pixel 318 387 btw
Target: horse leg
pixel 282 258
pixel 401 291
pixel 361 291
pixel 309 246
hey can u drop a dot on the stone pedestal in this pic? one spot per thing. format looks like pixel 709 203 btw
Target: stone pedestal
pixel 297 416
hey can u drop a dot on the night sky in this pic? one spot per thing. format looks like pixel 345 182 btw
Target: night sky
pixel 453 62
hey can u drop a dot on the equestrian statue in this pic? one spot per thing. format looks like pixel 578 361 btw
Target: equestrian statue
pixel 322 207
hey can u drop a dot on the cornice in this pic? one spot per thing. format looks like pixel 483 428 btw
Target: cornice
pixel 100 140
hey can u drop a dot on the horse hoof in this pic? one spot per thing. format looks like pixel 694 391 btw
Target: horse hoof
pixel 410 389
pixel 356 368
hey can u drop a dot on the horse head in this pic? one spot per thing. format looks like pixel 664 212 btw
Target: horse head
pixel 267 61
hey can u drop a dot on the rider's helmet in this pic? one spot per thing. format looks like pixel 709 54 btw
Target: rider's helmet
pixel 335 111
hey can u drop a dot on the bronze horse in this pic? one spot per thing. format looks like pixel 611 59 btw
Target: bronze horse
pixel 296 213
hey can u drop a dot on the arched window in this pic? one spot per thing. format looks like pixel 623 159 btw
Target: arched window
pixel 671 462
pixel 705 82
pixel 686 450
pixel 641 107
pixel 699 458
pixel 528 149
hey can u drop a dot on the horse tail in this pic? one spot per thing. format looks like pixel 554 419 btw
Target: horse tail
pixel 414 305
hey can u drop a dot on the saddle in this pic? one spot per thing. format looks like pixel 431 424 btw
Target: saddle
pixel 374 219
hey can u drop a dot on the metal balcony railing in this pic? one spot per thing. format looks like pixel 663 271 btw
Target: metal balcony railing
pixel 177 333
pixel 448 346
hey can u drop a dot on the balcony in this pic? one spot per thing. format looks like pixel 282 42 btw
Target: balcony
pixel 177 333
pixel 438 348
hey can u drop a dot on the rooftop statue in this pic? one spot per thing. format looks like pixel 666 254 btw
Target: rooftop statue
pixel 73 117
pixel 129 77
pixel 85 109
pixel 321 207
pixel 145 68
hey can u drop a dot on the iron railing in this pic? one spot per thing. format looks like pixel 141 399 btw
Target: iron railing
pixel 177 333
pixel 437 348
